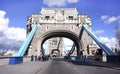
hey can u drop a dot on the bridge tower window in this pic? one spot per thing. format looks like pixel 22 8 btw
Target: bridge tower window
pixel 70 17
pixel 47 17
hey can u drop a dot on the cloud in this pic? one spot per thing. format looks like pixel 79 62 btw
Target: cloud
pixel 113 19
pixel 58 3
pixel 72 1
pixel 15 33
pixel 110 42
pixel 3 21
pixel 104 17
pixel 99 31
pixel 110 19
pixel 10 37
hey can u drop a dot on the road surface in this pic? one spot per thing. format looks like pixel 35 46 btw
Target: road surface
pixel 55 67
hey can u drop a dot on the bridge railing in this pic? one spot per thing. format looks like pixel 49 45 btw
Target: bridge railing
pixel 5 60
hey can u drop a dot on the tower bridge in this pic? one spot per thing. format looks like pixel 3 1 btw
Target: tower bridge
pixel 52 24
pixel 58 22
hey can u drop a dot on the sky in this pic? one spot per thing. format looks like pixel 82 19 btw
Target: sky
pixel 104 14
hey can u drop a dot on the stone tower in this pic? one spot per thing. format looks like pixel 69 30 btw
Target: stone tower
pixel 59 22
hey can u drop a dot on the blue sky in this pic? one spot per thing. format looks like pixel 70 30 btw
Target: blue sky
pixel 105 16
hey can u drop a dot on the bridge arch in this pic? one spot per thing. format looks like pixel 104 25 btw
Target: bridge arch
pixel 55 53
pixel 60 33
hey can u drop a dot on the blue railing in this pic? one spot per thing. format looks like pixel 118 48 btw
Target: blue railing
pixel 26 43
pixel 107 50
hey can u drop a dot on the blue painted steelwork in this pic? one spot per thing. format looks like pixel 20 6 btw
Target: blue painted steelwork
pixel 15 60
pixel 26 43
pixel 71 51
pixel 98 41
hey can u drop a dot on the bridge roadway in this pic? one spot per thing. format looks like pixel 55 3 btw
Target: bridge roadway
pixel 55 67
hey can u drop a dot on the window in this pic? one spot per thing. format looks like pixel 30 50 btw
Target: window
pixel 70 17
pixel 35 50
pixel 88 49
pixel 93 52
pixel 47 17
pixel 55 42
pixel 53 17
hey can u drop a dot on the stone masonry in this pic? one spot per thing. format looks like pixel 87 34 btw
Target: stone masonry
pixel 59 22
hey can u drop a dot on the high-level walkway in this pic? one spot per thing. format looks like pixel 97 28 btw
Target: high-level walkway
pixel 56 67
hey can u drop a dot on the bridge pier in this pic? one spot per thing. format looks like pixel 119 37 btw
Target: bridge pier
pixel 15 60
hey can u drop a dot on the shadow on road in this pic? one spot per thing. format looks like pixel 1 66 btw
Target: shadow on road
pixel 85 63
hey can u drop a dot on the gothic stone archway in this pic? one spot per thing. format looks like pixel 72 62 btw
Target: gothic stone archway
pixel 58 22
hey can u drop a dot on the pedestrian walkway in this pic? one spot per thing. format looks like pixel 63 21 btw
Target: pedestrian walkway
pixel 106 64
pixel 29 67
pixel 97 63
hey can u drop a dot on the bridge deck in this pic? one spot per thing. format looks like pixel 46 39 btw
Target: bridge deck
pixel 24 68
pixel 55 67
